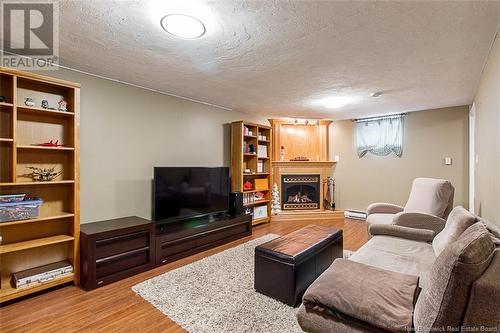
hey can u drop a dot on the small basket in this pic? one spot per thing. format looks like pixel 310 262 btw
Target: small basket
pixel 22 210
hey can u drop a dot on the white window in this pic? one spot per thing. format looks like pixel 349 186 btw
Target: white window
pixel 380 136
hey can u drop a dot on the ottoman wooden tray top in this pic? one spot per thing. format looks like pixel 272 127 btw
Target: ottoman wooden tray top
pixel 286 266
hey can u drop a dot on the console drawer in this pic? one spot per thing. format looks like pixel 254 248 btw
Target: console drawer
pixel 173 249
pixel 121 262
pixel 111 246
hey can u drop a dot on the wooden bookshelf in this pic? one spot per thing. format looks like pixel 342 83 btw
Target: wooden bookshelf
pixel 244 134
pixel 53 235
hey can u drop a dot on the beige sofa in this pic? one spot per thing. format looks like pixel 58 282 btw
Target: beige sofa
pixel 454 272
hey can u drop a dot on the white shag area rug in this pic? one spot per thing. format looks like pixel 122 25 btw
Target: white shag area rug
pixel 216 294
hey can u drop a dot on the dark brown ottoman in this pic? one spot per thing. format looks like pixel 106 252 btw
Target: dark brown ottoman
pixel 286 266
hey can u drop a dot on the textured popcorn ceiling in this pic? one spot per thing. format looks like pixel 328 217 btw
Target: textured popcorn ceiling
pixel 277 58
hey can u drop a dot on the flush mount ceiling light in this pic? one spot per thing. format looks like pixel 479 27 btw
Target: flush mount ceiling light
pixel 335 102
pixel 376 94
pixel 183 26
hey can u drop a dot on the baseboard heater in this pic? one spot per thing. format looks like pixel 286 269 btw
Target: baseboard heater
pixel 354 214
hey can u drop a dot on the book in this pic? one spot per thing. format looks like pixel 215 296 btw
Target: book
pixel 260 166
pixel 41 274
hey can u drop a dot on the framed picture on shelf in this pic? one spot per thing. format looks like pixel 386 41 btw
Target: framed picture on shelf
pixel 262 151
pixel 260 212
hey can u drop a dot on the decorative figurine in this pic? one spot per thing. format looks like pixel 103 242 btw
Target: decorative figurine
pixel 258 196
pixel 51 143
pixel 43 175
pixel 247 186
pixel 63 105
pixel 275 201
pixel 282 154
pixel 29 101
pixel 45 104
pixel 2 99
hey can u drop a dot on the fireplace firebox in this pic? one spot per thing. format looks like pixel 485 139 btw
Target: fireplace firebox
pixel 300 191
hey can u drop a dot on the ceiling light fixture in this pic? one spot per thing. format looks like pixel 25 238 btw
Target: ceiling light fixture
pixel 335 102
pixel 376 94
pixel 183 26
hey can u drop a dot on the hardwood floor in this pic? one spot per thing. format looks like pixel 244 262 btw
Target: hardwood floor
pixel 116 308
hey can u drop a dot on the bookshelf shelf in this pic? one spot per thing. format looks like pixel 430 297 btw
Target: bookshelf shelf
pixel 258 202
pixel 7 292
pixel 53 182
pixel 54 235
pixel 53 216
pixel 44 148
pixel 42 111
pixel 19 246
pixel 260 220
pixel 255 191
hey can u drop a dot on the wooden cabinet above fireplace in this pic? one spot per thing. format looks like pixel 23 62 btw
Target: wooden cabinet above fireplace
pixel 307 140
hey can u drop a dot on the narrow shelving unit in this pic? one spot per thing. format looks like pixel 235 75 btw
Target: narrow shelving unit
pixel 53 235
pixel 252 164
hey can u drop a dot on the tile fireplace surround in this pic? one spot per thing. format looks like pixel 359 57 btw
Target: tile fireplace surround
pixel 323 169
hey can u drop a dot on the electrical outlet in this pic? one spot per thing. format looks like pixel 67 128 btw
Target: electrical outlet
pixel 337 158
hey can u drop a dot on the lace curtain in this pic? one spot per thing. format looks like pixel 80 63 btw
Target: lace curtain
pixel 380 136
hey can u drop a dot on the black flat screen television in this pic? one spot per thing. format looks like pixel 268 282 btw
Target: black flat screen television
pixel 187 192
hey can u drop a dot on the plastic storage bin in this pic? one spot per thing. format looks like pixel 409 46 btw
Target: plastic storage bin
pixel 12 198
pixel 23 210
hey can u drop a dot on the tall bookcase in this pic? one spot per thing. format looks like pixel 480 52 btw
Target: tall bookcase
pixel 54 235
pixel 252 165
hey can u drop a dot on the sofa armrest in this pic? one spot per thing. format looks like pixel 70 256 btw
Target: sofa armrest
pixel 376 296
pixel 422 235
pixel 383 208
pixel 419 221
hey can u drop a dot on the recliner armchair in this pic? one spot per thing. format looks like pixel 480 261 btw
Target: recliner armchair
pixel 430 202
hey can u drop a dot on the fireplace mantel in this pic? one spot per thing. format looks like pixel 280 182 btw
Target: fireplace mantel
pixel 305 164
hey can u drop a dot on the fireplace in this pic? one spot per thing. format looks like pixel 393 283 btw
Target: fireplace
pixel 300 192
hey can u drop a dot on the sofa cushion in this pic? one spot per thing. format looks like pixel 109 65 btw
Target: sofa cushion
pixel 376 296
pixel 379 219
pixel 430 196
pixel 311 320
pixel 443 301
pixel 397 255
pixel 458 221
